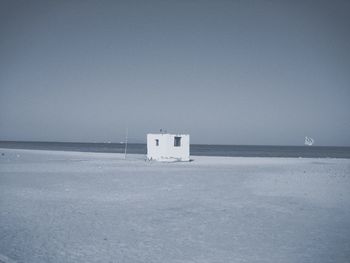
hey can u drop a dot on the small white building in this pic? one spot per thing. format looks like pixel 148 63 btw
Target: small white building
pixel 168 147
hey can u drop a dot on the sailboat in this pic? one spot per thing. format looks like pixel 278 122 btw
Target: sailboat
pixel 309 141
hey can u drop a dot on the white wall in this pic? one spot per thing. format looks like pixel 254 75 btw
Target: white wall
pixel 166 151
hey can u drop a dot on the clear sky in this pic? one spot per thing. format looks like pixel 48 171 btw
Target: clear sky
pixel 226 72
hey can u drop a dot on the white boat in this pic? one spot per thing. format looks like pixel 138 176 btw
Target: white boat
pixel 309 141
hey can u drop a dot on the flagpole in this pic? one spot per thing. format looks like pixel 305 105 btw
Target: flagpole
pixel 126 142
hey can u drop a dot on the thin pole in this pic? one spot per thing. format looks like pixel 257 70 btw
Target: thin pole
pixel 126 142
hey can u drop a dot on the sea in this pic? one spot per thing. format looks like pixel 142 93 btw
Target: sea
pixel 195 149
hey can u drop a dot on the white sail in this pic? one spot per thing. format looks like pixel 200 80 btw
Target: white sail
pixel 309 141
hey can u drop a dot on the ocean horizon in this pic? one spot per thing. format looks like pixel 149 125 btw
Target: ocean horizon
pixel 195 149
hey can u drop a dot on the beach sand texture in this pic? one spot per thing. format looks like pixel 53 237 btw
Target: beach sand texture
pixel 97 207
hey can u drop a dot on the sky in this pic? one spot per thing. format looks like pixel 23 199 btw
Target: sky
pixel 225 72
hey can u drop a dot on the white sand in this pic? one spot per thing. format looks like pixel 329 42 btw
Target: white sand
pixel 95 207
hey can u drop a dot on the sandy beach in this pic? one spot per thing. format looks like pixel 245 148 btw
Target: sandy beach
pixel 97 207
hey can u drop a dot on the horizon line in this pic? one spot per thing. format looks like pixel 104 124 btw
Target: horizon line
pixel 215 144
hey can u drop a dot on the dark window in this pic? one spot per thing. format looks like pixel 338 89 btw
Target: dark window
pixel 177 141
pixel 157 142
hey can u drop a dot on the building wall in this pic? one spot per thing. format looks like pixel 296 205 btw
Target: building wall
pixel 166 151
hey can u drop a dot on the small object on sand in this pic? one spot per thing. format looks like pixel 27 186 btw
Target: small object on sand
pixel 18 155
pixel 3 154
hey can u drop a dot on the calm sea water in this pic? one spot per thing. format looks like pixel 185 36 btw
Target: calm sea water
pixel 195 149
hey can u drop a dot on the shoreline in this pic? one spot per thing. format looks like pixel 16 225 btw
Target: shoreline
pixel 140 154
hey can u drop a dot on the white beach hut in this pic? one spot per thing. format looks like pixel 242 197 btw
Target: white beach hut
pixel 168 147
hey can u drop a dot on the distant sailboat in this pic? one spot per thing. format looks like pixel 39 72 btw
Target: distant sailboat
pixel 309 141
